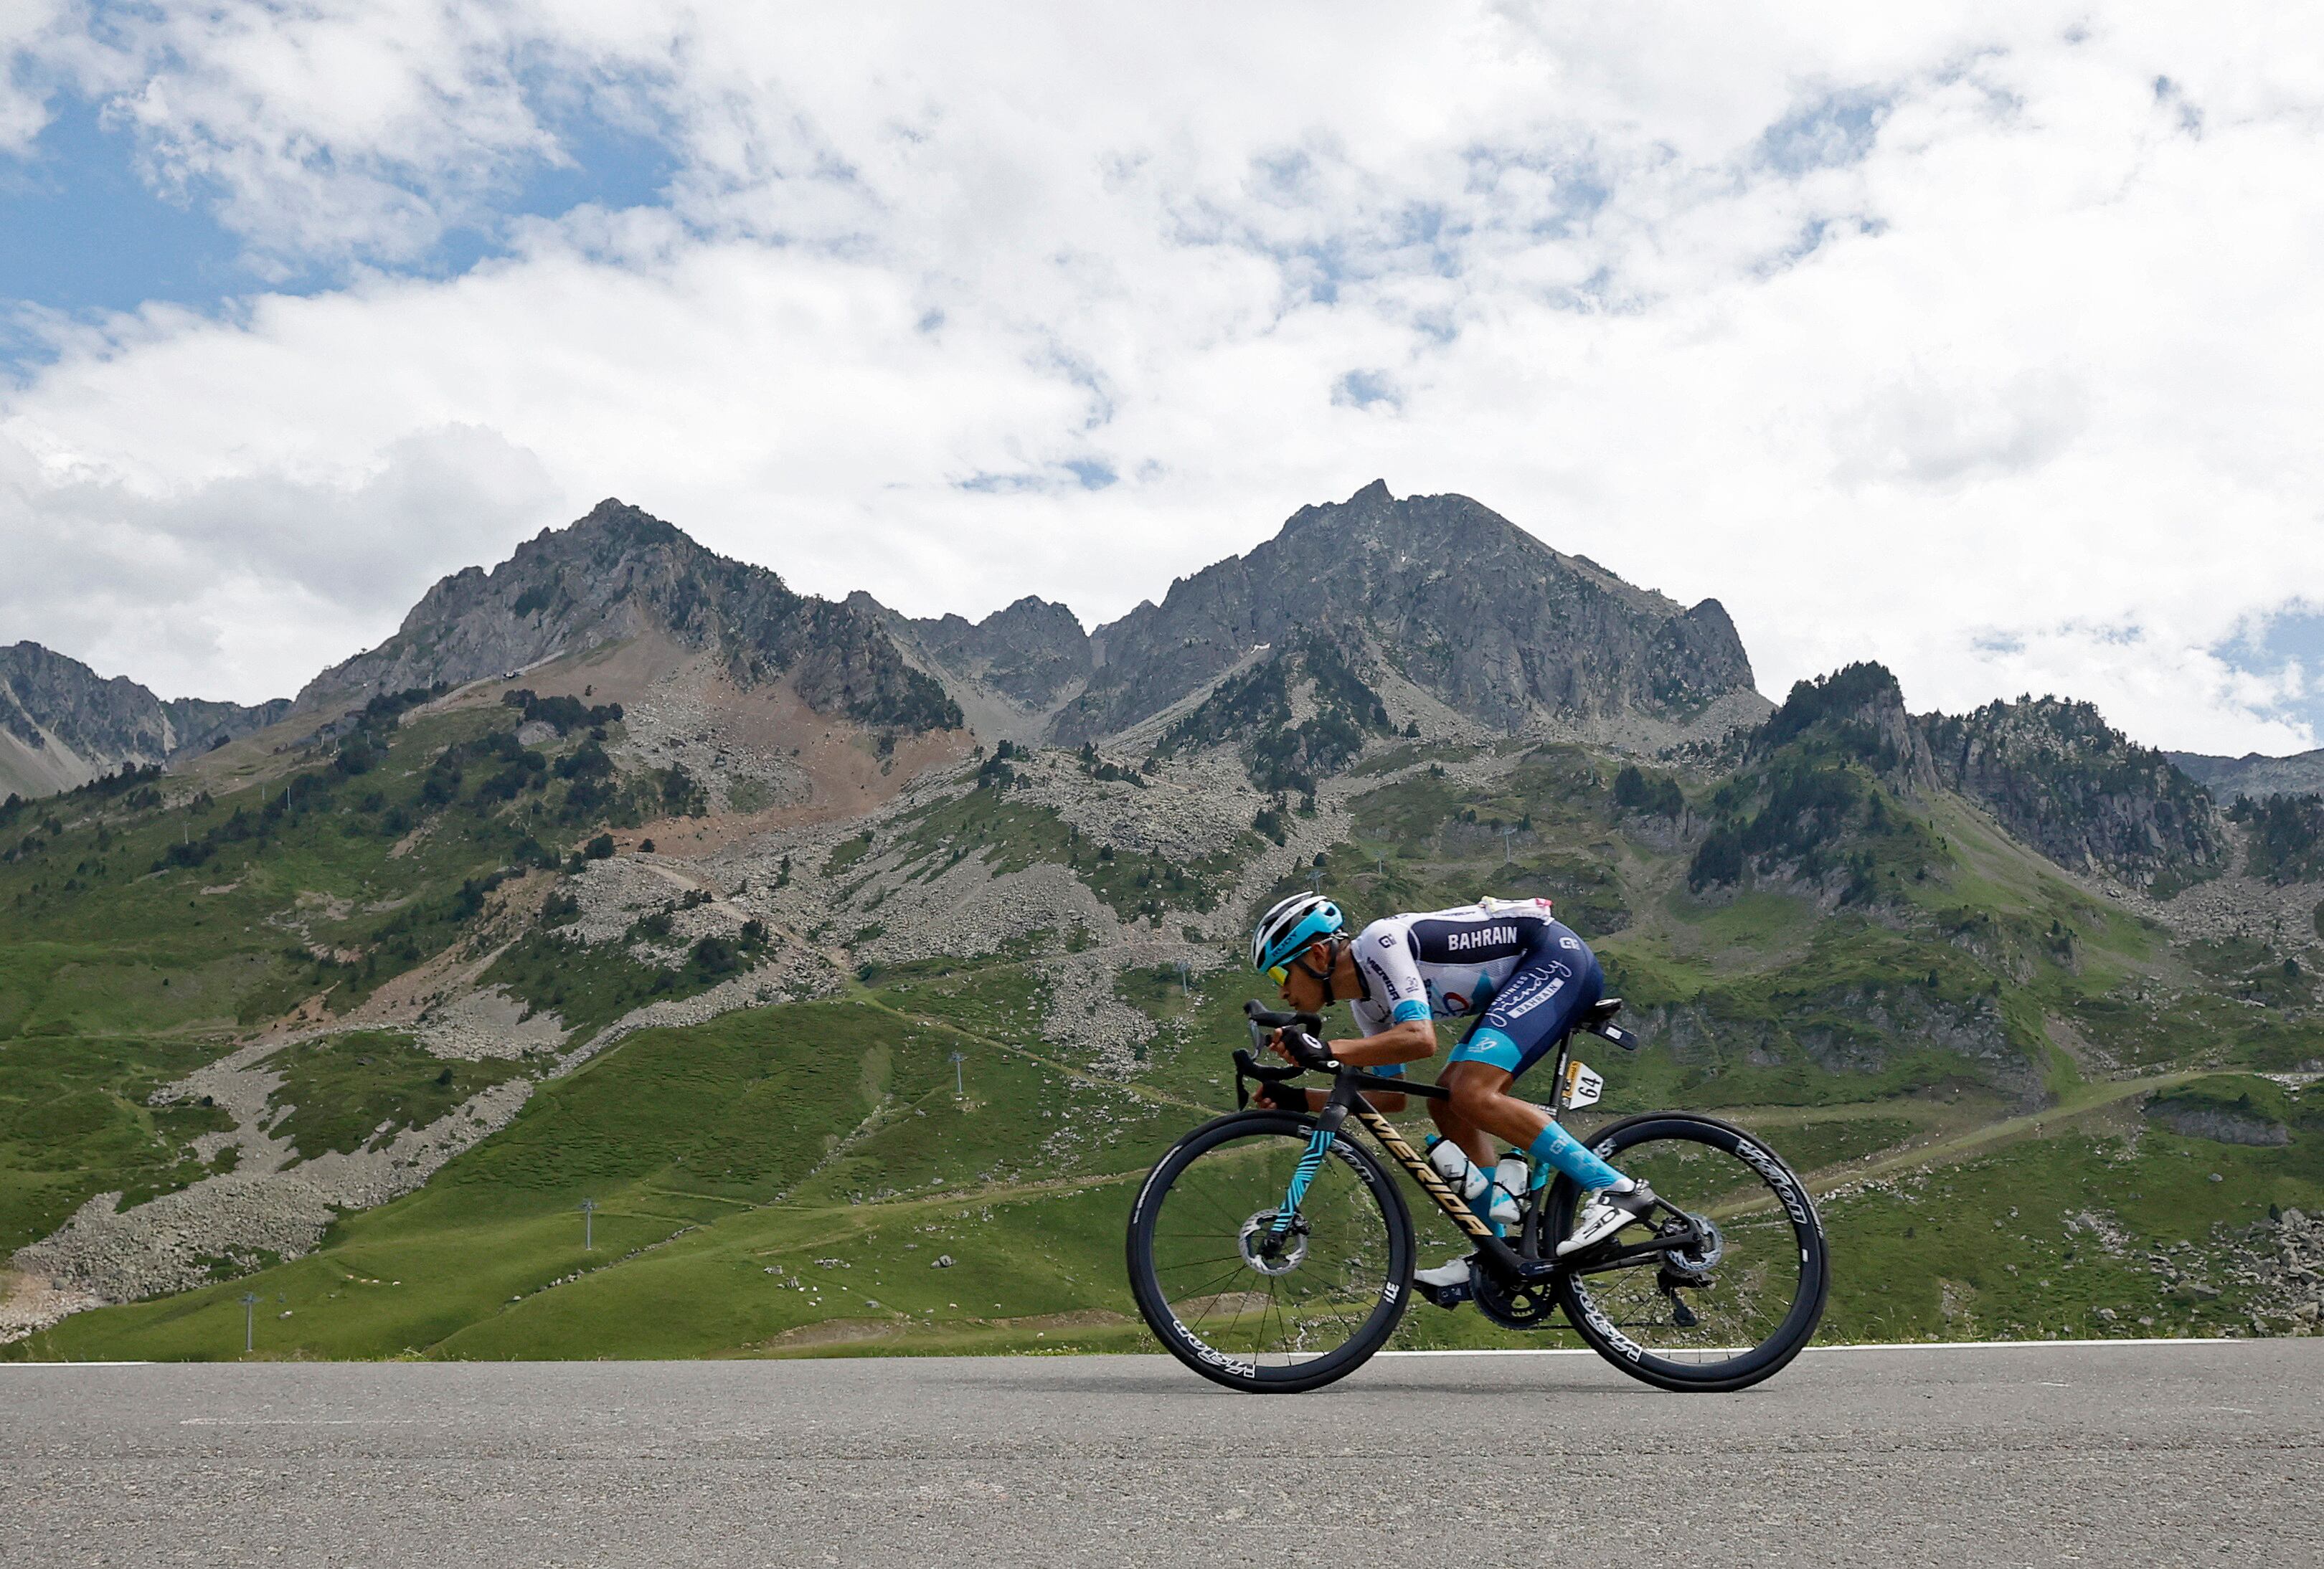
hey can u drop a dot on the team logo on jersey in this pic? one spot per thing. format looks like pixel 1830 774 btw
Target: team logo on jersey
pixel 1527 1005
pixel 1385 981
pixel 1483 937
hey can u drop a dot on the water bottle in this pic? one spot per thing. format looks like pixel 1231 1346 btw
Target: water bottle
pixel 1470 1180
pixel 1512 1180
pixel 1452 1163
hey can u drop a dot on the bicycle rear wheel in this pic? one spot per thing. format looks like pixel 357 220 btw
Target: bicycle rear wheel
pixel 1723 1317
pixel 1294 1319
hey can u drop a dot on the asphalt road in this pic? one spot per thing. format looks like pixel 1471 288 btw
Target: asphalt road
pixel 2194 1453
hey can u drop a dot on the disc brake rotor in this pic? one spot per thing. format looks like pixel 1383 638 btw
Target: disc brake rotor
pixel 1698 1262
pixel 1259 1237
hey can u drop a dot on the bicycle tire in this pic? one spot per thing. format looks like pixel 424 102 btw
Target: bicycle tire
pixel 1793 1210
pixel 1234 1365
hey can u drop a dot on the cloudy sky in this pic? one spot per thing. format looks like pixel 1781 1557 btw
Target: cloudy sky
pixel 1986 341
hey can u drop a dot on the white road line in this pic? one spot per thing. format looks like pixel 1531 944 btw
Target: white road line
pixel 298 1421
pixel 1585 1351
pixel 1499 1351
pixel 2039 1344
pixel 1872 1345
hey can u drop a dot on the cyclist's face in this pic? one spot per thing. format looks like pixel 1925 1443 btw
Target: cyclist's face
pixel 1301 990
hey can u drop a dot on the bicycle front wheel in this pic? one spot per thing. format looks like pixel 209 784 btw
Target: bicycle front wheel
pixel 1268 1317
pixel 1723 1315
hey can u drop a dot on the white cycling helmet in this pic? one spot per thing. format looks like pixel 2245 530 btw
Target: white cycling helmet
pixel 1291 926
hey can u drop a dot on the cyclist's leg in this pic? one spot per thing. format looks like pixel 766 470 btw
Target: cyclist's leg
pixel 1481 1100
pixel 1456 1126
pixel 1532 1012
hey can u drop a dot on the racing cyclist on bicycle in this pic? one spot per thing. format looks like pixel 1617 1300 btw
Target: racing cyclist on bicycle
pixel 1508 964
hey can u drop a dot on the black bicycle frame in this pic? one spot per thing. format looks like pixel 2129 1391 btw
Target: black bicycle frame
pixel 1348 1084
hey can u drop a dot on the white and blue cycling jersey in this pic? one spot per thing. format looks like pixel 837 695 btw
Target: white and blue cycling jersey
pixel 1507 963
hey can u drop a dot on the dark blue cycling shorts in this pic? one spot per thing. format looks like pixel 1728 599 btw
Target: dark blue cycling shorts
pixel 1538 1005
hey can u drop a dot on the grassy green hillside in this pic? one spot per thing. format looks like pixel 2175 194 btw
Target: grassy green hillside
pixel 2016 1096
pixel 791 1181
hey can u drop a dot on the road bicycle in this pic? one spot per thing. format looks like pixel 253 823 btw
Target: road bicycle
pixel 1271 1251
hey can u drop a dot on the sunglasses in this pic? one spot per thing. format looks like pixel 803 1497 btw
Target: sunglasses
pixel 1277 974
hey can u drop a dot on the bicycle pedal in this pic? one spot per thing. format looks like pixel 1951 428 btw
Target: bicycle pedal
pixel 1448 1296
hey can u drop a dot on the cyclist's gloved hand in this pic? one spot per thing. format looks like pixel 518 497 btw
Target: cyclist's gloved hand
pixel 1298 1046
pixel 1280 1097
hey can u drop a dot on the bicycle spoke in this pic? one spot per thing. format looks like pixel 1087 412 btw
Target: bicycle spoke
pixel 1274 1300
pixel 1753 1297
pixel 1213 1259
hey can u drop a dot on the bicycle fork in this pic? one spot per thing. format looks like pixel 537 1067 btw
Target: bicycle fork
pixel 1319 1145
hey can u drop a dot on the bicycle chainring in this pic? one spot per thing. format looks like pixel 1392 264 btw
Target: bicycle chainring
pixel 1529 1304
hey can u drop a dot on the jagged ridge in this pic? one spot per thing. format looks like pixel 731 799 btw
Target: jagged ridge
pixel 61 724
pixel 619 573
pixel 1032 652
pixel 1470 607
pixel 2054 773
pixel 2080 790
pixel 2252 776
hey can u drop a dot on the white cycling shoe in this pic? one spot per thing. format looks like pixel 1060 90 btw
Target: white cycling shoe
pixel 1449 1283
pixel 1607 1213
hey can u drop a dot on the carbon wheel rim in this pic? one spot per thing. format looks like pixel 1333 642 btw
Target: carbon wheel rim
pixel 1762 1293
pixel 1239 1319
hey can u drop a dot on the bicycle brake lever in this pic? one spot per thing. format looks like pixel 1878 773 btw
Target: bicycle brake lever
pixel 1248 1066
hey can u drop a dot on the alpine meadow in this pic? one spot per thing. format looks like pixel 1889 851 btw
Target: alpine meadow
pixel 853 967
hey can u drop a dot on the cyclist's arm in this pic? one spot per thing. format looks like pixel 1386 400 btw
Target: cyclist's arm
pixel 1405 1043
pixel 1414 1040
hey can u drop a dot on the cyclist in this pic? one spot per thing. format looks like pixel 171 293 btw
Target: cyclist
pixel 1524 976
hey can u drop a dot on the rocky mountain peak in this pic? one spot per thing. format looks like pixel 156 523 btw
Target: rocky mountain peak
pixel 1467 605
pixel 2063 779
pixel 1033 652
pixel 1861 709
pixel 63 724
pixel 2254 775
pixel 620 574
pixel 613 523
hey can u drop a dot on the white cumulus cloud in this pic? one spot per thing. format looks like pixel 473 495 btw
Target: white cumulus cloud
pixel 1983 342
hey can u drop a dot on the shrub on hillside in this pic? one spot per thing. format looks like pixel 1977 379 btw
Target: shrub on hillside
pixel 2287 840
pixel 1648 794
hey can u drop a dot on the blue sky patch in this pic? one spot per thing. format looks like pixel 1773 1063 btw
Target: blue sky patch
pixel 1087 473
pixel 1832 131
pixel 2293 635
pixel 613 164
pixel 83 233
pixel 1362 388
